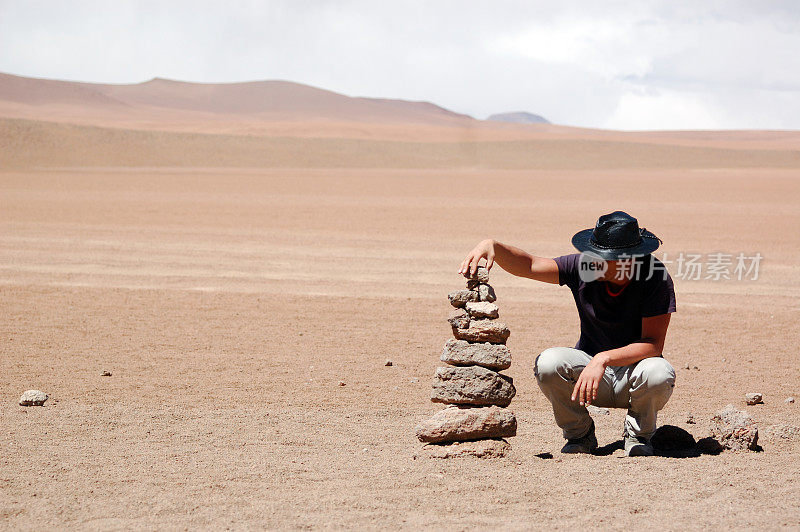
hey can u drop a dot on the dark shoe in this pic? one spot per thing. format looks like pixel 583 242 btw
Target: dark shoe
pixel 638 446
pixel 586 444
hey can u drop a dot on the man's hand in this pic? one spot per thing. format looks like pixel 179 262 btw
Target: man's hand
pixel 484 250
pixel 585 390
pixel 513 260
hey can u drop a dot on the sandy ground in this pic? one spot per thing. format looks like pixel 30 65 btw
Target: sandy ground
pixel 229 303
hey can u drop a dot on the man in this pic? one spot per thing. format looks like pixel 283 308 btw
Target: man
pixel 624 297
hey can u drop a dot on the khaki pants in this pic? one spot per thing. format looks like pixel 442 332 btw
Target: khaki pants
pixel 642 388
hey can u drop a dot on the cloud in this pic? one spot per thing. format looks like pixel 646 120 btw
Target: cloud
pixel 629 65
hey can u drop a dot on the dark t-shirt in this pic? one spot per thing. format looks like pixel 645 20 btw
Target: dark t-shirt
pixel 609 322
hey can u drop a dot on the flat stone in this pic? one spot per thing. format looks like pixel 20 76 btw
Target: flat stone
pixel 458 318
pixel 459 423
pixel 459 298
pixel 734 429
pixel 463 353
pixel 598 411
pixel 754 398
pixel 482 309
pixel 476 448
pixel 472 385
pixel 33 398
pixel 491 331
pixel 486 293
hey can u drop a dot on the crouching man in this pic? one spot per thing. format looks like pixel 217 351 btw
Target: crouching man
pixel 624 297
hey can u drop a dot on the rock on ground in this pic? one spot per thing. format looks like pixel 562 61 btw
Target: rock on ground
pixel 734 429
pixel 458 423
pixel 472 385
pixel 33 398
pixel 463 353
pixel 491 331
pixel 598 411
pixel 789 400
pixel 476 448
pixel 459 298
pixel 458 318
pixel 482 309
pixel 754 398
pixel 672 438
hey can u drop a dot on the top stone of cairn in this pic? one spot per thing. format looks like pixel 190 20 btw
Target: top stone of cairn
pixel 481 275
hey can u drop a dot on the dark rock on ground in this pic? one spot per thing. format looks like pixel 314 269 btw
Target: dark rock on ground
pixel 672 438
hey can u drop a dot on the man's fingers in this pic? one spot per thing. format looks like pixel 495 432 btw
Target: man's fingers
pixel 577 394
pixel 465 264
pixel 473 264
pixel 489 262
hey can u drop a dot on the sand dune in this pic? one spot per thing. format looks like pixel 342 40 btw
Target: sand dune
pixel 287 109
pixel 267 100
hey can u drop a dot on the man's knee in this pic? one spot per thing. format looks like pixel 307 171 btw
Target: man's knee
pixel 654 373
pixel 551 363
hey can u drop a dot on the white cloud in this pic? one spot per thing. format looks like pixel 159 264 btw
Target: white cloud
pixel 668 109
pixel 630 65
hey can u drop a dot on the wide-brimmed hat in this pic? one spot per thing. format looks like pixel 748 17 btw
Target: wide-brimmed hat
pixel 616 236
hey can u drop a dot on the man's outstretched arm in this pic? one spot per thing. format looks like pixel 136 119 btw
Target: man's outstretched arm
pixel 513 260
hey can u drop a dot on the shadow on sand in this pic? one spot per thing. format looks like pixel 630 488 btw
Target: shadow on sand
pixel 672 442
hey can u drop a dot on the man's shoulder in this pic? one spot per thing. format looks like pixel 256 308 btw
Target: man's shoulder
pixel 569 260
pixel 568 269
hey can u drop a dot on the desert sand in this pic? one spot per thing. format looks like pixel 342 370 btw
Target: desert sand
pixel 229 278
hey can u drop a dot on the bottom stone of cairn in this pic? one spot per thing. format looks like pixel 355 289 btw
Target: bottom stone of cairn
pixel 495 448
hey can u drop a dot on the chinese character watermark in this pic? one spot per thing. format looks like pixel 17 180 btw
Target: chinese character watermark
pixel 716 266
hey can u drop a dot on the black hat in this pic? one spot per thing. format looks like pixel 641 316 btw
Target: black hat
pixel 616 236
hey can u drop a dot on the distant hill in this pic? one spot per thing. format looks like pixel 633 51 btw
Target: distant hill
pixel 518 117
pixel 271 100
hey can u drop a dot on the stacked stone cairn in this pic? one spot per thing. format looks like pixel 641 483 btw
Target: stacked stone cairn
pixel 476 419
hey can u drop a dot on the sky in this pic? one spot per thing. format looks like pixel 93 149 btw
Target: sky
pixel 617 65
